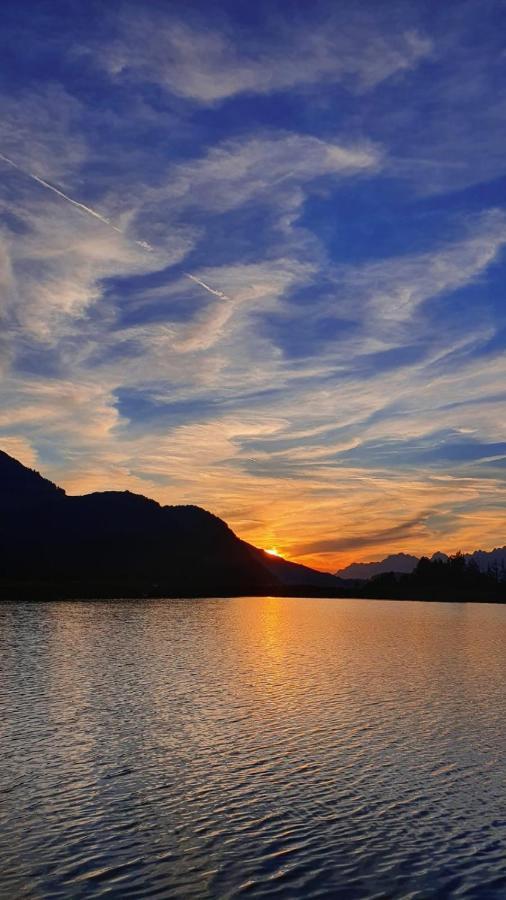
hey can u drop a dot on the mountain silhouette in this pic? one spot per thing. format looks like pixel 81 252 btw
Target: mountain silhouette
pixel 119 544
pixel 20 486
pixel 404 563
pixel 444 578
pixel 397 562
pixel 116 543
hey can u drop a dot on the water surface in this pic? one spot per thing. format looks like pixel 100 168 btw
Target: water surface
pixel 261 747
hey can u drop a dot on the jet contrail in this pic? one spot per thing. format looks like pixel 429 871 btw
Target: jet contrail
pixel 206 287
pixel 87 209
pixel 101 218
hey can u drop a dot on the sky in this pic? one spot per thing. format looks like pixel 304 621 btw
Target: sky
pixel 252 258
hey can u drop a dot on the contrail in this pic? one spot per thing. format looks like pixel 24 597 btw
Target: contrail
pixel 206 287
pixel 101 218
pixel 86 209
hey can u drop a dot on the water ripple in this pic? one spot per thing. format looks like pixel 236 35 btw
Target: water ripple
pixel 259 747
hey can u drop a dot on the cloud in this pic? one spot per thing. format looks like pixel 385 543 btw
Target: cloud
pixel 55 268
pixel 79 413
pixel 447 134
pixel 393 289
pixel 21 449
pixel 409 529
pixel 248 287
pixel 313 347
pixel 41 130
pixel 80 206
pixel 208 65
pixel 238 171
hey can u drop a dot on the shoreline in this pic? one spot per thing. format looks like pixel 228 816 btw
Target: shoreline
pixel 37 595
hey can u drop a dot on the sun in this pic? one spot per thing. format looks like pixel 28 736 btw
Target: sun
pixel 273 551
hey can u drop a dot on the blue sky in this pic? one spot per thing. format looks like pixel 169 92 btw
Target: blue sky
pixel 252 257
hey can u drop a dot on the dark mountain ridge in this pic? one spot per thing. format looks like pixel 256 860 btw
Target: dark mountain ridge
pixel 397 562
pixel 20 485
pixel 119 544
pixel 116 543
pixel 404 563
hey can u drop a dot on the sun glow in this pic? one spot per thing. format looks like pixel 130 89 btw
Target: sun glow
pixel 273 551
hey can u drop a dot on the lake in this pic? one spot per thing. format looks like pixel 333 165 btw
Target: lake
pixel 253 747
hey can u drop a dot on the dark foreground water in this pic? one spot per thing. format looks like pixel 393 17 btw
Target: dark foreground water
pixel 255 747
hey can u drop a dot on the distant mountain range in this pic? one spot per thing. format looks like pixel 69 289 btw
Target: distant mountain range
pixel 398 562
pixel 119 544
pixel 404 563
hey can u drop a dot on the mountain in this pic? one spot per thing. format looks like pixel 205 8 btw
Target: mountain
pixel 20 486
pixel 489 559
pixel 456 578
pixel 116 543
pixel 403 563
pixel 119 544
pixel 439 556
pixel 294 574
pixel 398 562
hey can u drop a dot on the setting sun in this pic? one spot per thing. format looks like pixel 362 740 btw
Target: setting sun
pixel 272 551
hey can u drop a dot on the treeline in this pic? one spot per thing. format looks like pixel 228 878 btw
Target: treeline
pixel 455 578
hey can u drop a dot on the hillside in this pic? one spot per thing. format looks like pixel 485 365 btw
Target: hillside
pixel 116 543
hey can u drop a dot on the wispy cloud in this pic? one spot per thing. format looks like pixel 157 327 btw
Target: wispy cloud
pixel 382 537
pixel 313 346
pixel 238 171
pixel 208 65
pixel 393 289
pixel 40 129
pixel 76 203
